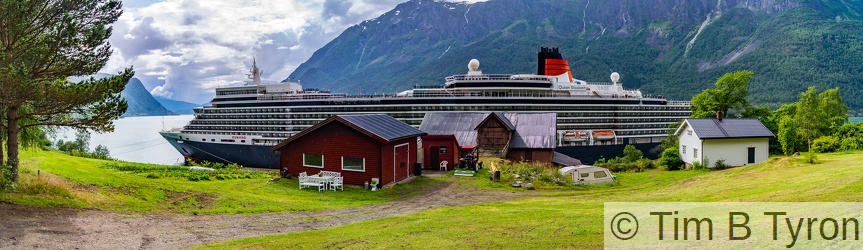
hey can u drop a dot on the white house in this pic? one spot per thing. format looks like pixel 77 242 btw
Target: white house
pixel 737 141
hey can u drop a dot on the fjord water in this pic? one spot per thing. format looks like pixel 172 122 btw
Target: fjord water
pixel 137 139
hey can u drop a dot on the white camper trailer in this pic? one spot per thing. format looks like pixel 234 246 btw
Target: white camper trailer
pixel 584 174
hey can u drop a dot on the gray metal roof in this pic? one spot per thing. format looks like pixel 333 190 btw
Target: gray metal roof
pixel 533 130
pixel 459 124
pixel 382 125
pixel 565 160
pixel 709 128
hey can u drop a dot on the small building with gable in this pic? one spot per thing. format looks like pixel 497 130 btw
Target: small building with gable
pixel 736 141
pixel 360 147
pixel 514 136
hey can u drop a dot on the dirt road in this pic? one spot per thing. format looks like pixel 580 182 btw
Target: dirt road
pixel 24 227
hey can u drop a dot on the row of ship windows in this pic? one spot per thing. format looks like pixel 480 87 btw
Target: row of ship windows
pixel 275 135
pixel 633 126
pixel 642 132
pixel 237 92
pixel 255 110
pixel 229 128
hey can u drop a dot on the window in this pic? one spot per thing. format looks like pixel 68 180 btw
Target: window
pixel 313 160
pixel 443 150
pixel 688 132
pixel 599 174
pixel 684 148
pixel 354 164
pixel 585 175
pixel 695 153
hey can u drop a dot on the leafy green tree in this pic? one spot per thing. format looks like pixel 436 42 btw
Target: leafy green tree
pixel 787 135
pixel 830 103
pixel 43 43
pixel 730 94
pixel 820 114
pixel 102 152
pixel 810 117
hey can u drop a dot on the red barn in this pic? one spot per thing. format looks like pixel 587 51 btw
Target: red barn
pixel 361 147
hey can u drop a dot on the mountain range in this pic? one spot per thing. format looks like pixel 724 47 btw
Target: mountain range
pixel 674 48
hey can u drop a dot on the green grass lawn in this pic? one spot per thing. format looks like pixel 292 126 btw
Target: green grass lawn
pixel 572 218
pixel 81 182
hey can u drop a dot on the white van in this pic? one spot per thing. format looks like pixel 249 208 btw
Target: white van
pixel 585 174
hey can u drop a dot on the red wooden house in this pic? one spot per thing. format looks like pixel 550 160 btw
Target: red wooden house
pixel 361 147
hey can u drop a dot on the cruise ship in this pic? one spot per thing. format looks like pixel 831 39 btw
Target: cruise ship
pixel 243 122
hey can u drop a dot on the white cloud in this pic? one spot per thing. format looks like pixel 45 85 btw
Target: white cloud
pixel 183 49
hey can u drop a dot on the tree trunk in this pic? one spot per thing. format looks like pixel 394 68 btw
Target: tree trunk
pixel 12 140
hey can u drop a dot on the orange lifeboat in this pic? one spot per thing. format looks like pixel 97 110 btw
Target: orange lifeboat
pixel 575 136
pixel 602 135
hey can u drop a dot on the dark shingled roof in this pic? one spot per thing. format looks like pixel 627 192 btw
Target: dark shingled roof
pixel 533 130
pixel 530 130
pixel 384 126
pixel 709 128
pixel 381 127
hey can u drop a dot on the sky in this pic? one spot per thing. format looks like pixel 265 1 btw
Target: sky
pixel 184 49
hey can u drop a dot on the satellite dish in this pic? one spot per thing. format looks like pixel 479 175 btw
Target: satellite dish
pixel 615 77
pixel 473 65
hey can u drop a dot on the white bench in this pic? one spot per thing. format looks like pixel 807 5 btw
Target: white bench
pixel 315 181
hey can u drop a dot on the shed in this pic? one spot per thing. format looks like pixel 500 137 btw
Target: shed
pixel 360 147
pixel 736 141
pixel 515 136
pixel 533 138
pixel 438 148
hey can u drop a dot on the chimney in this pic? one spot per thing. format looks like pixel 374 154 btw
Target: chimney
pixel 719 115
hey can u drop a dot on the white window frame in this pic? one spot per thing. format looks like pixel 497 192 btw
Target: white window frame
pixel 354 170
pixel 313 166
pixel 695 153
pixel 684 148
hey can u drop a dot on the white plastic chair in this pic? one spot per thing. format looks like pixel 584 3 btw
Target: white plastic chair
pixel 443 165
pixel 302 179
pixel 338 182
pixel 374 184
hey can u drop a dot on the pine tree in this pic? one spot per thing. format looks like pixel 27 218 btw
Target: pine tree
pixel 43 43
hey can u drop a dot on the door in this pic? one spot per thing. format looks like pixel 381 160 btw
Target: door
pixel 434 158
pixel 750 156
pixel 401 168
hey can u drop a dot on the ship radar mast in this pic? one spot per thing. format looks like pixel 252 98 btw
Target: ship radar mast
pixel 255 73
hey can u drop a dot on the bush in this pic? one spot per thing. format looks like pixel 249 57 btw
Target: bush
pixel 811 158
pixel 825 144
pixel 6 182
pixel 670 159
pixel 631 154
pixel 720 164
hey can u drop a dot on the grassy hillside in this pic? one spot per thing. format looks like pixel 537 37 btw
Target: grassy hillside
pixel 573 219
pixel 53 179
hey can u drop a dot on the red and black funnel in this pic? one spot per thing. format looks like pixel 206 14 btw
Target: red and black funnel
pixel 551 63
